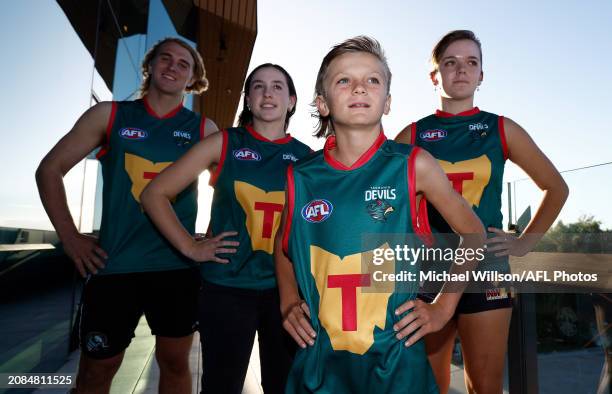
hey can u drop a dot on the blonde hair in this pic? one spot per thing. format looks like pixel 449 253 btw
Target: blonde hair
pixel 200 83
pixel 356 44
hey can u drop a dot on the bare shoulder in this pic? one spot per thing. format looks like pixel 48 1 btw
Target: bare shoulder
pixel 96 118
pixel 430 177
pixel 424 161
pixel 210 127
pixel 88 132
pixel 518 140
pixel 212 142
pixel 102 109
pixel 511 128
pixel 214 137
pixel 404 136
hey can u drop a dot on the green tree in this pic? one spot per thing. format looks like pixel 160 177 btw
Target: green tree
pixel 583 236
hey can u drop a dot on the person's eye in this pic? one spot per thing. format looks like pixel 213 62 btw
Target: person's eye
pixel 473 63
pixel 343 81
pixel 449 63
pixel 256 86
pixel 374 80
pixel 278 87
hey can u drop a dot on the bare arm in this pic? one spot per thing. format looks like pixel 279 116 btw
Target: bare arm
pixel 294 310
pixel 524 152
pixel 434 184
pixel 157 195
pixel 454 209
pixel 87 134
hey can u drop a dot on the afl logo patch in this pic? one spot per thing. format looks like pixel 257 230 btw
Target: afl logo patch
pixel 132 133
pixel 246 154
pixel 433 135
pixel 317 211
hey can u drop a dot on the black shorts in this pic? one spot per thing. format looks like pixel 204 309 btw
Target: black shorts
pixel 112 305
pixel 481 296
pixel 490 299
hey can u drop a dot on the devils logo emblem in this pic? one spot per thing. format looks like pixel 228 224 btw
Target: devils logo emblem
pixel 379 210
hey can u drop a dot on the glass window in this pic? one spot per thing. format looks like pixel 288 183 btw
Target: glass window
pixel 572 324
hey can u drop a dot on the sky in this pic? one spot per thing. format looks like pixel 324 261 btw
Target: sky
pixel 546 65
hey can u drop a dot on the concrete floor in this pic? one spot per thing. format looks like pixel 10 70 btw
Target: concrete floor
pixel 571 372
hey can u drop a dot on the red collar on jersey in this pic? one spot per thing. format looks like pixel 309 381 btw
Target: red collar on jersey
pixel 152 112
pixel 260 137
pixel 330 143
pixel 442 114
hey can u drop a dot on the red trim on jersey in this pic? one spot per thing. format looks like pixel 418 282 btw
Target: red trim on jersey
pixel 502 136
pixel 442 114
pixel 289 206
pixel 155 115
pixel 420 221
pixel 287 138
pixel 109 127
pixel 423 221
pixel 149 175
pixel 202 126
pixel 413 131
pixel 215 175
pixel 330 144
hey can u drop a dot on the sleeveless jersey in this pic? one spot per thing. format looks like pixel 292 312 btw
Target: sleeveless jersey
pixel 249 197
pixel 139 145
pixel 471 149
pixel 337 217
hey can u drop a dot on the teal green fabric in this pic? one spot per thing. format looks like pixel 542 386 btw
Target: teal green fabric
pixel 249 198
pixel 473 148
pixel 140 146
pixel 470 148
pixel 337 214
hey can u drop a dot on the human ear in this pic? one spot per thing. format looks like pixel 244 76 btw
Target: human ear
pixel 322 106
pixel 434 78
pixel 387 105
pixel 292 101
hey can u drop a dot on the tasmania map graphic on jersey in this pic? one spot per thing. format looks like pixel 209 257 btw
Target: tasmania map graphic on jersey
pixel 141 172
pixel 347 310
pixel 469 177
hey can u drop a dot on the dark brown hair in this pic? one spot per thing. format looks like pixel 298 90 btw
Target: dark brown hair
pixel 246 116
pixel 449 38
pixel 355 44
pixel 200 83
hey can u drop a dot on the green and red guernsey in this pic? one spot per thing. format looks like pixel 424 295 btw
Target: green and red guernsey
pixel 471 149
pixel 139 145
pixel 249 198
pixel 337 217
